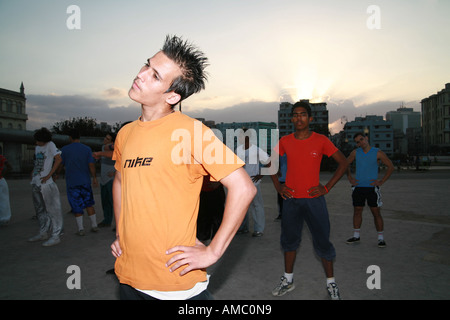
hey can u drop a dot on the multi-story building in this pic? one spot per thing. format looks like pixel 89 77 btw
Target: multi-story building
pixel 266 133
pixel 12 109
pixel 403 119
pixel 285 125
pixel 436 122
pixel 209 123
pixel 319 113
pixel 379 131
pixel 13 117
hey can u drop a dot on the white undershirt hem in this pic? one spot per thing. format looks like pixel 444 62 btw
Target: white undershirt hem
pixel 178 295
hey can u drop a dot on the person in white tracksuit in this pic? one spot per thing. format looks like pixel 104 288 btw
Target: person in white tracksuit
pixel 45 192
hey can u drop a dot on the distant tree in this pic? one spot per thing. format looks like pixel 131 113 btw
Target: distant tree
pixel 87 127
pixel 116 127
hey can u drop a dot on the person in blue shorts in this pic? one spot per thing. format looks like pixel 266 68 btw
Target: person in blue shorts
pixel 80 166
pixel 366 185
pixel 303 196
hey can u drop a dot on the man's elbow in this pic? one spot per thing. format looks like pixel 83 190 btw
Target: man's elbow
pixel 240 184
pixel 253 190
pixel 247 189
pixel 250 190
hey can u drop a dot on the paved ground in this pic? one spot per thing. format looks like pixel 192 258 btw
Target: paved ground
pixel 414 265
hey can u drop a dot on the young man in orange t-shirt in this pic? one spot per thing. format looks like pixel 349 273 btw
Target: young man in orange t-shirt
pixel 303 196
pixel 161 160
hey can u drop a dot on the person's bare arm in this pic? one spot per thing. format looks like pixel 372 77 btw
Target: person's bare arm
pixel 390 168
pixel 241 192
pixel 56 164
pixel 350 159
pixel 282 189
pixel 321 190
pixel 98 154
pixel 93 174
pixel 117 201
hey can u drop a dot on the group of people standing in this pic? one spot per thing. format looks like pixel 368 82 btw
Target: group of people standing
pixel 79 164
pixel 156 200
pixel 301 195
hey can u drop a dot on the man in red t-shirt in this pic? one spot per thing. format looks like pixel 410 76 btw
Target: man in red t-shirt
pixel 303 196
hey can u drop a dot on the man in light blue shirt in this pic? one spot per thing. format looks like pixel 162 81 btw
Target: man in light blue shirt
pixel 366 185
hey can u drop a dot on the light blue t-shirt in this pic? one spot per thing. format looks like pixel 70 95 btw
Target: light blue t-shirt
pixel 366 167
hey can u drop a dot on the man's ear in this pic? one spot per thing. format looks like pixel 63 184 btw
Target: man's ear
pixel 173 98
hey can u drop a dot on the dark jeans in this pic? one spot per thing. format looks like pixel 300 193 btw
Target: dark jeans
pixel 129 293
pixel 314 212
pixel 107 202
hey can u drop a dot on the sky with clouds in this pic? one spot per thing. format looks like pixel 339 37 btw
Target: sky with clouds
pixel 360 57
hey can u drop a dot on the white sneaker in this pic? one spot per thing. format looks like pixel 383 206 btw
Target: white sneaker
pixel 39 237
pixel 52 242
pixel 333 291
pixel 283 287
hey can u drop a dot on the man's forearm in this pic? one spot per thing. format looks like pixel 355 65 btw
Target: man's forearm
pixel 92 170
pixel 56 165
pixel 275 181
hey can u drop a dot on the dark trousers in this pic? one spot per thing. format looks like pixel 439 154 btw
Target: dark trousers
pixel 127 292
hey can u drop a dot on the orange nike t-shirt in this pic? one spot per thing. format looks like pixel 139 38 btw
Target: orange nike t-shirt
pixel 162 164
pixel 303 161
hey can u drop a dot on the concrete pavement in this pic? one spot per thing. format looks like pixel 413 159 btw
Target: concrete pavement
pixel 414 265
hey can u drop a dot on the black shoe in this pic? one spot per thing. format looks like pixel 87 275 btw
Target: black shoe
pixel 103 225
pixel 381 244
pixel 257 234
pixel 110 271
pixel 353 240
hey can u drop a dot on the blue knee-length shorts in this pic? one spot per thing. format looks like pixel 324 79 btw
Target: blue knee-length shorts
pixel 80 197
pixel 314 211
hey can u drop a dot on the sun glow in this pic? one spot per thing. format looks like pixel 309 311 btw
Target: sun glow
pixel 310 84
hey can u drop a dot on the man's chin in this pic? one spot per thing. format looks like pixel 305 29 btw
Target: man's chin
pixel 133 96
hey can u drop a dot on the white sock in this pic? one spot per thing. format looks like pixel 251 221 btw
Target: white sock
pixel 289 276
pixel 79 221
pixel 356 233
pixel 330 280
pixel 380 235
pixel 93 220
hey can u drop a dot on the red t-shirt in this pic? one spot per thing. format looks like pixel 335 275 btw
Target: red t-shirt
pixel 303 161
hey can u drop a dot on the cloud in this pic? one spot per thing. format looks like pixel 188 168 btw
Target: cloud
pixel 114 93
pixel 46 110
pixel 242 112
pixel 337 110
